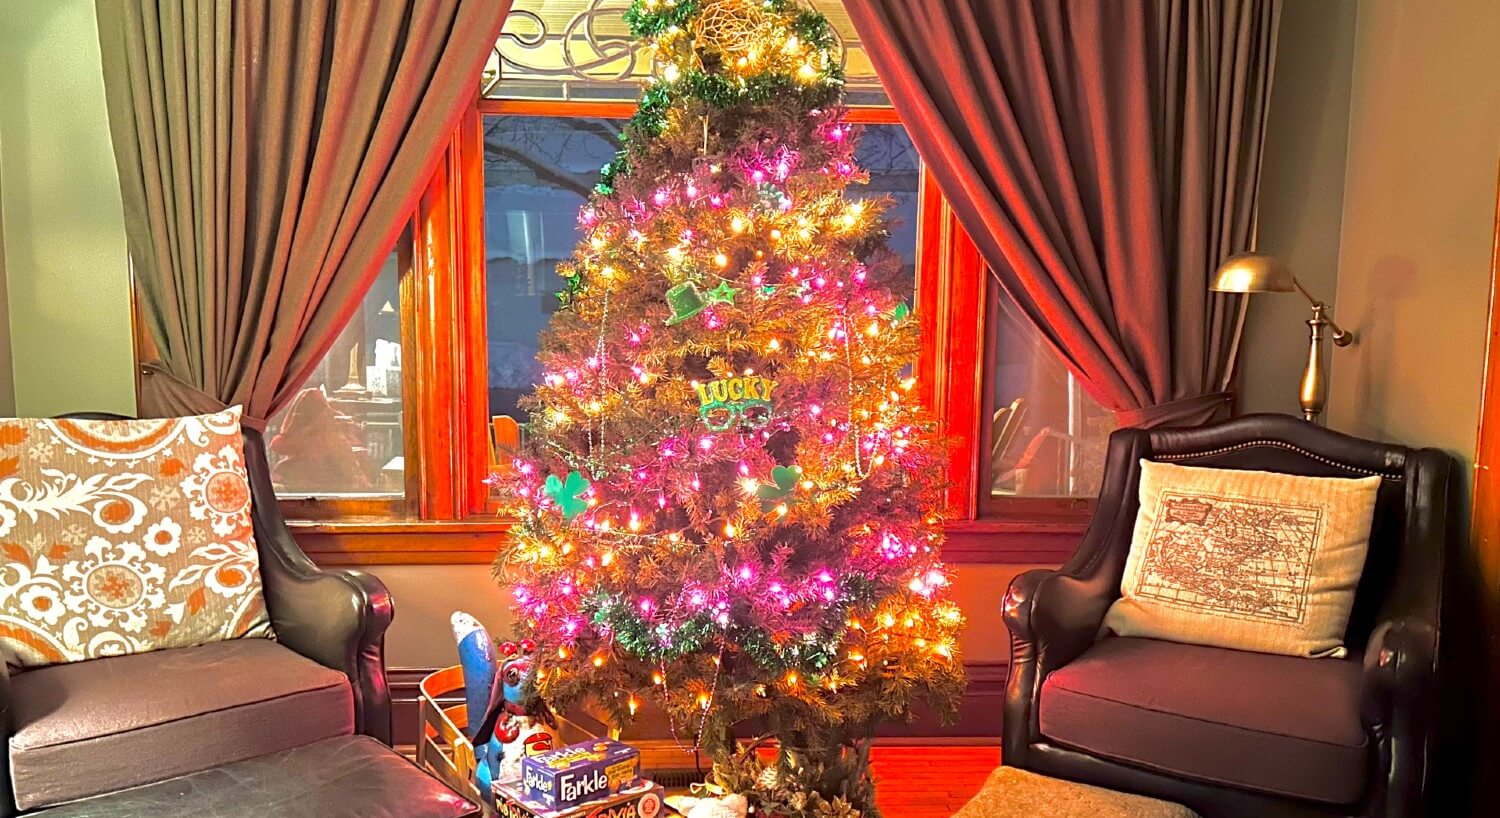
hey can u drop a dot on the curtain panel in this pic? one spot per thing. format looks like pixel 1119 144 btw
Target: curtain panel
pixel 1105 157
pixel 269 155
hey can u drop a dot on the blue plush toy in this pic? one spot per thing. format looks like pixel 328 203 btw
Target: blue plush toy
pixel 506 719
pixel 476 655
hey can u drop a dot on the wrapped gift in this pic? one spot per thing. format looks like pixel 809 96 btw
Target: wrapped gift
pixel 643 800
pixel 580 772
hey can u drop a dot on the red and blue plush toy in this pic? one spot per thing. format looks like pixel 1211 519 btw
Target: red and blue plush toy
pixel 507 719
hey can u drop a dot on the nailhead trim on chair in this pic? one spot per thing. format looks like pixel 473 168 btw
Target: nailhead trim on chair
pixel 1393 475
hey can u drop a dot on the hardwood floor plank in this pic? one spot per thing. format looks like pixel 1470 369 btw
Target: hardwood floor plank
pixel 929 781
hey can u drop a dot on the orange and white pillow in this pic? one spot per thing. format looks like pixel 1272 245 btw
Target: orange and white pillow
pixel 124 536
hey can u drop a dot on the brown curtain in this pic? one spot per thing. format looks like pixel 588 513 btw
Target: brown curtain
pixel 1105 156
pixel 269 154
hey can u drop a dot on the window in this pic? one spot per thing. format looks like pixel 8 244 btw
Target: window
pixel 538 172
pixel 1046 436
pixel 383 455
pixel 342 435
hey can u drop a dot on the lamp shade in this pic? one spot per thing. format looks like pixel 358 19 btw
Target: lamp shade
pixel 1253 273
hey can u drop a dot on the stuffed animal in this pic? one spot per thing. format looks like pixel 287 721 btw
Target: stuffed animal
pixel 729 806
pixel 476 655
pixel 516 722
pixel 517 717
pixel 507 719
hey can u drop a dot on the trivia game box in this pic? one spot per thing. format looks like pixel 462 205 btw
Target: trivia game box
pixel 571 775
pixel 644 800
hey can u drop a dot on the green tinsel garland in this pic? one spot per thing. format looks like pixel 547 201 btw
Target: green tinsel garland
pixel 643 637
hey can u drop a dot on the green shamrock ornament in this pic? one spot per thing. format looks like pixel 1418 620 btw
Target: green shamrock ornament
pixel 786 482
pixel 568 494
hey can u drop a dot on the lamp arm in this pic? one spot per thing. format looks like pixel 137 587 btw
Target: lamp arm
pixel 1340 336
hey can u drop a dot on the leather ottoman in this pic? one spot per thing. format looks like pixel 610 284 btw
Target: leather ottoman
pixel 344 777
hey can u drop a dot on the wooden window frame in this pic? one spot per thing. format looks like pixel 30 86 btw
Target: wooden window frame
pixel 446 517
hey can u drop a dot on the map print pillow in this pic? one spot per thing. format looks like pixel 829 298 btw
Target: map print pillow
pixel 124 536
pixel 1249 560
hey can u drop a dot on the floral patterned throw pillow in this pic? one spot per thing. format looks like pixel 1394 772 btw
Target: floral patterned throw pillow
pixel 124 536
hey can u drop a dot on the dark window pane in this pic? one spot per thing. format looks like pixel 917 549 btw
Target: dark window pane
pixel 895 169
pixel 538 174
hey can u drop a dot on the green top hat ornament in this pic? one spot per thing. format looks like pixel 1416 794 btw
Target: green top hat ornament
pixel 685 301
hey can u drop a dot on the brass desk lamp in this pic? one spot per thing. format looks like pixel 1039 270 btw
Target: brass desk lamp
pixel 1260 273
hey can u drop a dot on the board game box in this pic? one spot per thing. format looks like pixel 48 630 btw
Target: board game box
pixel 643 800
pixel 580 772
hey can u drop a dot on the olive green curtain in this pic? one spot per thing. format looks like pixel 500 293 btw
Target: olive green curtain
pixel 1105 156
pixel 269 154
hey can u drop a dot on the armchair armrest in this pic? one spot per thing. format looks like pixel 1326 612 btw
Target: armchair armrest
pixel 1058 614
pixel 1400 668
pixel 7 797
pixel 1054 616
pixel 337 618
pixel 1397 705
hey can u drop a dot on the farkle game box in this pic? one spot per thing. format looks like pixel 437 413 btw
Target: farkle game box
pixel 644 800
pixel 593 779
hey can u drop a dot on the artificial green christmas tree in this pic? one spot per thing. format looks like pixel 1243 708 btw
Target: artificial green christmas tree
pixel 729 499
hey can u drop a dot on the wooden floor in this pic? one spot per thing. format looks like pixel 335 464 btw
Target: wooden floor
pixel 929 781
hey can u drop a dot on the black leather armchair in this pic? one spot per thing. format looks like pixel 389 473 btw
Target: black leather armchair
pixel 335 618
pixel 1387 704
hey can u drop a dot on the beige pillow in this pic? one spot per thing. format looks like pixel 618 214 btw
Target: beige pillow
pixel 1249 560
pixel 124 536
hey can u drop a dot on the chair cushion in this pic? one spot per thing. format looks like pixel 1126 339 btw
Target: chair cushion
pixel 348 777
pixel 1274 724
pixel 146 717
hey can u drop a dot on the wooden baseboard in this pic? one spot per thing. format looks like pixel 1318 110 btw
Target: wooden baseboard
pixel 978 719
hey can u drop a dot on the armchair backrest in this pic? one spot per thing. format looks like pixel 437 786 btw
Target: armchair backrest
pixel 1404 568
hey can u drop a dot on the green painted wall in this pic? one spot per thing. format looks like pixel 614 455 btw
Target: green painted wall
pixel 65 262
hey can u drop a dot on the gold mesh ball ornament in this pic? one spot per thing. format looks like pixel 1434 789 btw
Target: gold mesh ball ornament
pixel 729 25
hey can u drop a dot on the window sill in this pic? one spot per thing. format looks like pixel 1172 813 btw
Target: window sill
pixel 1000 540
pixel 398 541
pixel 1010 540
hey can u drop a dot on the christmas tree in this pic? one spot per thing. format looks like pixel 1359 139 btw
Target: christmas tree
pixel 729 498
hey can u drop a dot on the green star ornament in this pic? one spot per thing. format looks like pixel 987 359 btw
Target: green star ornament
pixel 722 294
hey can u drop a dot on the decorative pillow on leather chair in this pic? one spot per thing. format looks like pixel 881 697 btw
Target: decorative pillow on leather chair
pixel 1249 560
pixel 124 536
